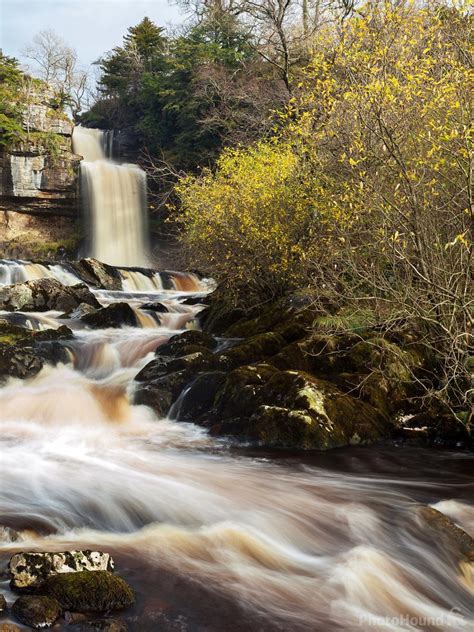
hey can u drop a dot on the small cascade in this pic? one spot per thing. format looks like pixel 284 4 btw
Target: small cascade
pixel 19 271
pixel 114 197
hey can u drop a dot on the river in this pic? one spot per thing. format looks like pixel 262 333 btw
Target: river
pixel 214 536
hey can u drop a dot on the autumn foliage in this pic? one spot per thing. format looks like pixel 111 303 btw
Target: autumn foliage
pixel 366 188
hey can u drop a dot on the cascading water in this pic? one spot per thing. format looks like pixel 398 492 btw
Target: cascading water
pixel 114 196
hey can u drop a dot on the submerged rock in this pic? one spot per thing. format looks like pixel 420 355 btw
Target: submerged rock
pixel 37 611
pixel 102 625
pixel 29 570
pixel 448 531
pixel 43 295
pixel 98 591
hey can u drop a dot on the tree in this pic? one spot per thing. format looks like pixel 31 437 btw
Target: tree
pixel 56 63
pixel 379 139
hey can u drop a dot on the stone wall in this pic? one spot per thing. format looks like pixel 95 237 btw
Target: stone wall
pixel 39 179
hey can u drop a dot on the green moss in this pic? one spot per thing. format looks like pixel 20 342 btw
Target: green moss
pixel 89 591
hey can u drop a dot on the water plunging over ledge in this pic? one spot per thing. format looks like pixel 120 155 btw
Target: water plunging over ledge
pixel 114 199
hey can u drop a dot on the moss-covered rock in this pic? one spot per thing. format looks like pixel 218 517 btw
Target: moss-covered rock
pixel 255 349
pixel 36 611
pixel 89 591
pixel 293 409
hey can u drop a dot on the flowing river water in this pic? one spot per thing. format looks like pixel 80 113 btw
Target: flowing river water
pixel 215 537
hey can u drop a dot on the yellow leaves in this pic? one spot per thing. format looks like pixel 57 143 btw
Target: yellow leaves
pixel 459 239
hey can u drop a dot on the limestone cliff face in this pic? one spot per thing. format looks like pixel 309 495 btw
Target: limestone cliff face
pixel 39 178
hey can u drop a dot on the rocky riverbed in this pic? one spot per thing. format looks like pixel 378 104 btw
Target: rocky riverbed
pixel 234 465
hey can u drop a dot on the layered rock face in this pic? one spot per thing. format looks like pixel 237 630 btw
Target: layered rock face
pixel 39 176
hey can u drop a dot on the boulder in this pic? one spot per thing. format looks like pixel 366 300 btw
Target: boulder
pixel 178 345
pixel 45 294
pixel 36 611
pixel 199 397
pixel 190 364
pixel 255 349
pixel 98 274
pixel 445 529
pixel 293 409
pixel 114 315
pixel 29 570
pixel 18 362
pixel 88 591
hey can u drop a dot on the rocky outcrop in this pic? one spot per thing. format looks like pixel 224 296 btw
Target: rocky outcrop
pixel 45 294
pixel 30 570
pixel 23 352
pixel 39 174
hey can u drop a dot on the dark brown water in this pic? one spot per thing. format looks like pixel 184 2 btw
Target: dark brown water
pixel 215 537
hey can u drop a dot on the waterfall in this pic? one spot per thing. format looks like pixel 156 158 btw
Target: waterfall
pixel 114 197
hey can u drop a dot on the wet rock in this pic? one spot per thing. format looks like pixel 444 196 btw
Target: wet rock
pixel 89 591
pixel 293 409
pixel 18 362
pixel 102 625
pixel 3 603
pixel 157 395
pixel 190 364
pixel 448 531
pixel 43 295
pixel 155 307
pixel 9 535
pixel 98 274
pixel 200 394
pixel 30 570
pixel 177 345
pixel 114 315
pixel 255 349
pixel 36 611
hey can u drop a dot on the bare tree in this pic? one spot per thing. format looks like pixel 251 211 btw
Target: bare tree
pixel 54 61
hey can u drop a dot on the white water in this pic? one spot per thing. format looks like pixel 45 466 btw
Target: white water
pixel 299 546
pixel 115 199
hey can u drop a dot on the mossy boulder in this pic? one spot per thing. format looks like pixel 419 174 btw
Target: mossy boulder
pixel 255 349
pixel 190 365
pixel 36 611
pixel 293 409
pixel 89 591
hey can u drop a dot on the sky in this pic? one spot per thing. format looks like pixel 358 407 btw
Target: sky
pixel 92 27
